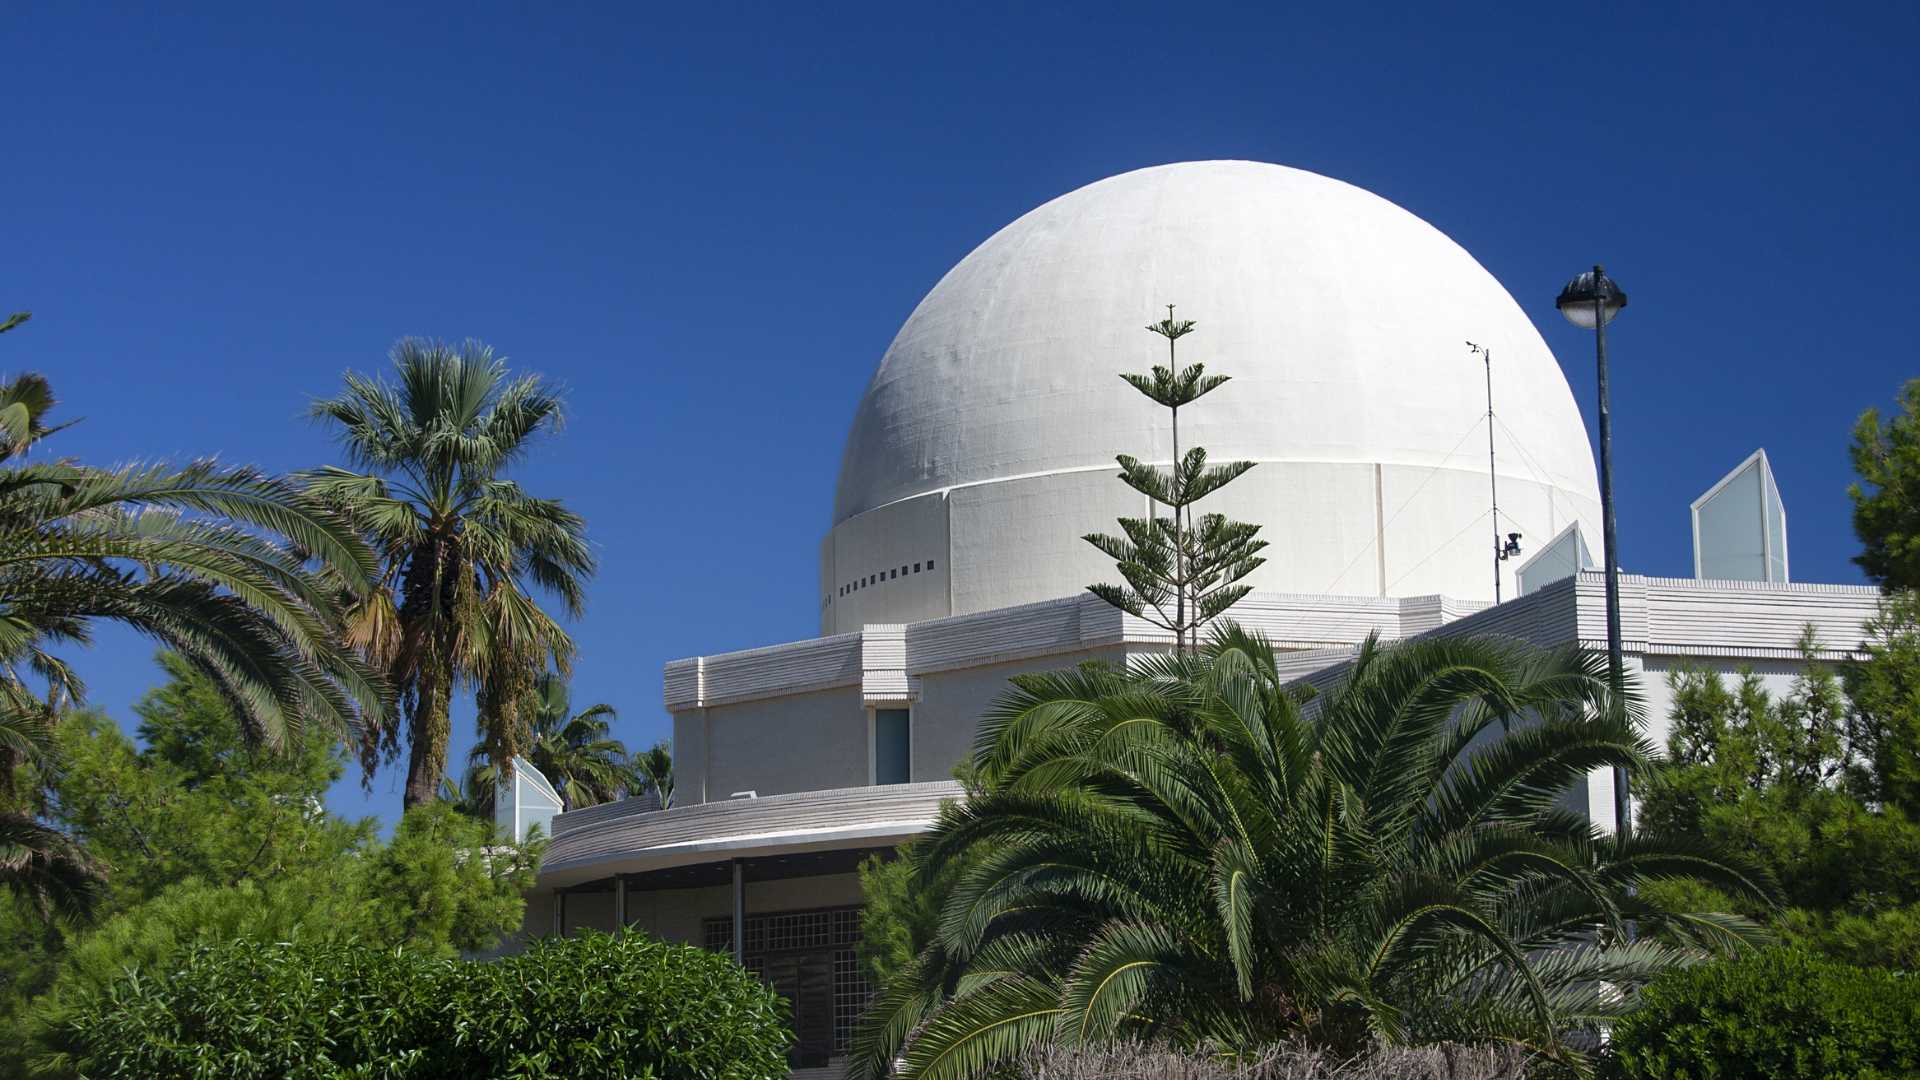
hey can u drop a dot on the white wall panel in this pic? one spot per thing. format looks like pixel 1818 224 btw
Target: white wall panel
pixel 892 563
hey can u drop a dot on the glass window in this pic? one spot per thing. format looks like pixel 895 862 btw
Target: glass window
pixel 892 746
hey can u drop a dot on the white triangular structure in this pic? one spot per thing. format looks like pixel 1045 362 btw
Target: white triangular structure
pixel 525 801
pixel 1564 556
pixel 1740 526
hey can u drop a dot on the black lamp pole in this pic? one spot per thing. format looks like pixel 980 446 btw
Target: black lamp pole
pixel 1591 301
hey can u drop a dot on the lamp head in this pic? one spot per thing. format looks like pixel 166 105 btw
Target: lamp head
pixel 1576 301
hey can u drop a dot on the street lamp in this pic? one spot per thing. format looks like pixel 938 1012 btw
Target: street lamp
pixel 1590 301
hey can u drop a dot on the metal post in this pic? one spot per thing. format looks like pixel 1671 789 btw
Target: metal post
pixel 559 913
pixel 1493 479
pixel 1616 666
pixel 739 913
pixel 619 905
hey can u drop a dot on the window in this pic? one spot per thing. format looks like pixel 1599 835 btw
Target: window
pixel 892 746
pixel 916 568
pixel 850 997
pixel 809 958
pixel 929 564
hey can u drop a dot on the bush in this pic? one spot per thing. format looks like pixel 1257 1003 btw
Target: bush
pixel 598 1005
pixel 592 1006
pixel 1777 1013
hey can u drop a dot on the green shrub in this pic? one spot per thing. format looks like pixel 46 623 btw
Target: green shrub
pixel 598 1005
pixel 1778 1013
pixel 592 1006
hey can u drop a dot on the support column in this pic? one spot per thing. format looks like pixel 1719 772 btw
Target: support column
pixel 559 912
pixel 739 912
pixel 619 904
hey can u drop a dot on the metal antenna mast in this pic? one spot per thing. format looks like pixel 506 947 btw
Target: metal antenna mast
pixel 1502 551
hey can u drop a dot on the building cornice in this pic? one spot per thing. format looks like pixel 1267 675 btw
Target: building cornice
pixel 1659 617
pixel 627 838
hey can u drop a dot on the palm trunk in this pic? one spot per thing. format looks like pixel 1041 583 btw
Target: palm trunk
pixel 427 733
pixel 426 601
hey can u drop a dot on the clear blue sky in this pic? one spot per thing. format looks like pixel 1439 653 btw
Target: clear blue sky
pixel 708 221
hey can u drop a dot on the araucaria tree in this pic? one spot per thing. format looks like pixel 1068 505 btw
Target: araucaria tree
pixel 1184 850
pixel 1180 572
pixel 462 545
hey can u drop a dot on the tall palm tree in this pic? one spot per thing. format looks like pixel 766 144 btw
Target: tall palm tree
pixel 462 546
pixel 653 768
pixel 1189 851
pixel 217 564
pixel 575 751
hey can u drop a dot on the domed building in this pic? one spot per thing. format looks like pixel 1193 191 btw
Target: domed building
pixel 983 450
pixel 985 443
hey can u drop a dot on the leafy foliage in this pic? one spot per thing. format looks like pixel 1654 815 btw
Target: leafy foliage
pixel 461 547
pixel 653 771
pixel 1884 692
pixel 1799 785
pixel 575 751
pixel 215 563
pixel 1886 498
pixel 1180 573
pixel 1187 852
pixel 1775 1013
pixel 592 1006
pixel 197 801
pixel 212 840
pixel 899 916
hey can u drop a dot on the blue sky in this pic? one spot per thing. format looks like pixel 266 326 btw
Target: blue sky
pixel 707 221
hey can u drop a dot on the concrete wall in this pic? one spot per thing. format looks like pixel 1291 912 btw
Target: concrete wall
pixel 899 559
pixel 589 911
pixel 1334 527
pixel 952 702
pixel 821 740
pixel 690 757
pixel 797 742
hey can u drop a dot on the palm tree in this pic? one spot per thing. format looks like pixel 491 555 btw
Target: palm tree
pixel 653 768
pixel 1189 851
pixel 574 751
pixel 214 563
pixel 461 545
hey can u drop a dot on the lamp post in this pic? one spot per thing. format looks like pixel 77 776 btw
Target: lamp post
pixel 1590 301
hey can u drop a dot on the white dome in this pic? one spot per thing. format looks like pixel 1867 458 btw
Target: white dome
pixel 984 445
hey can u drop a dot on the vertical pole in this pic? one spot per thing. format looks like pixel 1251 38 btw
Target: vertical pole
pixel 619 904
pixel 1615 664
pixel 1493 479
pixel 739 913
pixel 559 913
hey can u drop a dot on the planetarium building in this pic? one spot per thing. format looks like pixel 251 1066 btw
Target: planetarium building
pixel 983 449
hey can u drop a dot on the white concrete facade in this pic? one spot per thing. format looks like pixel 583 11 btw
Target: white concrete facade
pixel 791 722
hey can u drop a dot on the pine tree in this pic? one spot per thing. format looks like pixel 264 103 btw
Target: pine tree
pixel 1180 572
